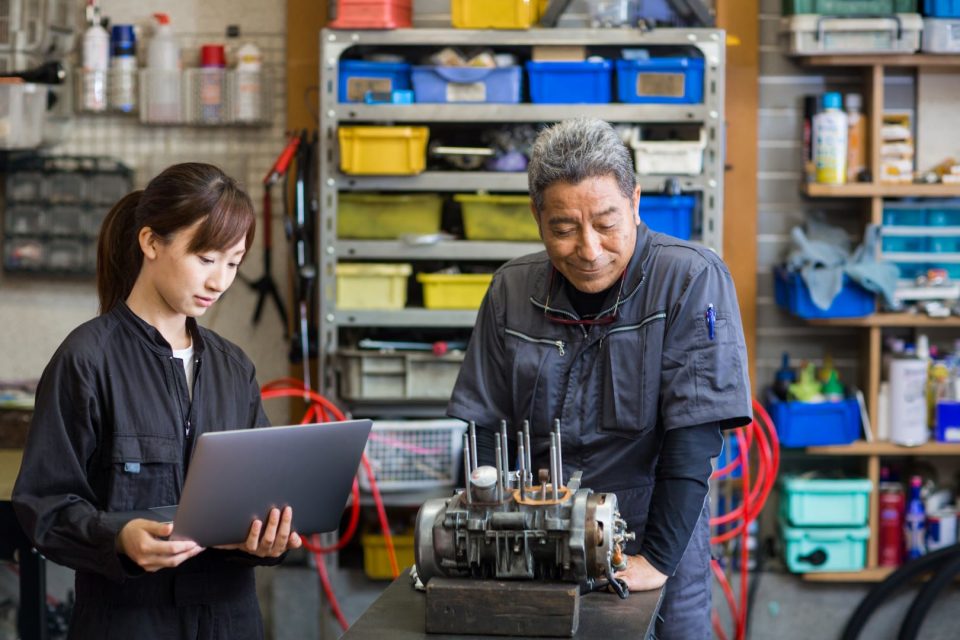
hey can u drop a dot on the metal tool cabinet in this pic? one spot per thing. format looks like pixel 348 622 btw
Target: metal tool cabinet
pixel 334 43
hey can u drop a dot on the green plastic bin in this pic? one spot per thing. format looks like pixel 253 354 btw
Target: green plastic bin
pixel 823 502
pixel 849 7
pixel 487 217
pixel 370 216
pixel 812 550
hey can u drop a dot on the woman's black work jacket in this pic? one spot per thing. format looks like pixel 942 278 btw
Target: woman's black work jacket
pixel 616 388
pixel 112 432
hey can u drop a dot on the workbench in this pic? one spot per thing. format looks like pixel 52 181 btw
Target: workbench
pixel 399 613
pixel 31 618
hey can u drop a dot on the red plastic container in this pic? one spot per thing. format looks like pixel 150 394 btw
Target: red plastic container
pixel 372 14
pixel 891 525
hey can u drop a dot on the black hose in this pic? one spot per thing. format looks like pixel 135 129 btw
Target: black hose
pixel 883 590
pixel 926 597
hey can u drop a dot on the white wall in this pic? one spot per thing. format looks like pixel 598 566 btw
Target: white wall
pixel 37 314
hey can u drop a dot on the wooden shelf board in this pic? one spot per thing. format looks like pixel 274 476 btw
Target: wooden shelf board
pixel 875 574
pixel 862 448
pixel 889 320
pixel 870 189
pixel 909 60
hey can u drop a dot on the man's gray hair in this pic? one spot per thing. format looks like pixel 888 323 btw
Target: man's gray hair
pixel 576 149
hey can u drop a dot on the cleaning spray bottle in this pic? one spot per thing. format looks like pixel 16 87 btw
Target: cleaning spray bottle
pixel 162 102
pixel 95 61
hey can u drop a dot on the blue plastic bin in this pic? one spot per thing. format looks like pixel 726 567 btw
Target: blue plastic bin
pixel 945 213
pixel 570 82
pixel 814 550
pixel 948 421
pixel 358 76
pixel 905 215
pixel 791 293
pixel 672 215
pixel 941 8
pixel 825 502
pixel 908 244
pixel 911 270
pixel 660 81
pixel 811 424
pixel 466 84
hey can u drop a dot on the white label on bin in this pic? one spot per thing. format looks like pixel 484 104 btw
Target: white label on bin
pixel 951 434
pixel 357 87
pixel 466 92
pixel 953 32
pixel 666 85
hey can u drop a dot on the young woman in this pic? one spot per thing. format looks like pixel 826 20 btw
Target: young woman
pixel 119 407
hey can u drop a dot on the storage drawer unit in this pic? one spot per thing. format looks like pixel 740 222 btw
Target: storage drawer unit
pixel 397 375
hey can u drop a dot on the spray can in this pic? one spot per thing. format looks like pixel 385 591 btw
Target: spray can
pixel 915 522
pixel 213 61
pixel 908 401
pixel 830 141
pixel 123 68
pixel 892 505
pixel 248 84
pixel 96 60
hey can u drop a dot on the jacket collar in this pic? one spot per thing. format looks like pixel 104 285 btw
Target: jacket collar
pixel 149 335
pixel 551 294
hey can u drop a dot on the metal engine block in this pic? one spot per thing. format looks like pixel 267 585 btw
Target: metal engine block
pixel 502 526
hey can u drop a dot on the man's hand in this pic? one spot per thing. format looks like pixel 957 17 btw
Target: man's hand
pixel 143 542
pixel 272 539
pixel 640 575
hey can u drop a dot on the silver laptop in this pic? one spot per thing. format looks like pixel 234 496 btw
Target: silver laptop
pixel 237 476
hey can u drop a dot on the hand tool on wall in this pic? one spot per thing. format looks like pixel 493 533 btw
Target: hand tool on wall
pixel 266 286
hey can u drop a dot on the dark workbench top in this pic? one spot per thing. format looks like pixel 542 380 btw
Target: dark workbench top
pixel 399 613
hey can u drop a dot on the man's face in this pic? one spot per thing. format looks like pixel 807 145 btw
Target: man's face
pixel 589 230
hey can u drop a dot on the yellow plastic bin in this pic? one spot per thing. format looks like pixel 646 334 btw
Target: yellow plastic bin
pixel 487 217
pixel 376 216
pixel 383 150
pixel 494 14
pixel 376 560
pixel 372 286
pixel 454 290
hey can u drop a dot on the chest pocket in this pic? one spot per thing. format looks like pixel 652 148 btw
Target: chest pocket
pixel 146 472
pixel 629 366
pixel 535 378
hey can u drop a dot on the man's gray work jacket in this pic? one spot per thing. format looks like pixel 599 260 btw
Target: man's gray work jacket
pixel 617 388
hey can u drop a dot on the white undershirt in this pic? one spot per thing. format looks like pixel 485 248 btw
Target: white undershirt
pixel 187 356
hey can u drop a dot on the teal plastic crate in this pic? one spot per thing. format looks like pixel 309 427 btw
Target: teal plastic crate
pixel 822 502
pixel 849 7
pixel 825 549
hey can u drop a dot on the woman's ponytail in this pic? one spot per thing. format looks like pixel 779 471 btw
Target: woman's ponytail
pixel 118 252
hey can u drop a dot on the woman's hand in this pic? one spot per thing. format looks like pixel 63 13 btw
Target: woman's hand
pixel 640 575
pixel 272 539
pixel 143 541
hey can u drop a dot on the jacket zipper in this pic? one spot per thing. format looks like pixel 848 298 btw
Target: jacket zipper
pixel 660 315
pixel 559 344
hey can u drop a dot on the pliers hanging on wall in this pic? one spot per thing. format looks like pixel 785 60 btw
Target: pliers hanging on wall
pixel 266 286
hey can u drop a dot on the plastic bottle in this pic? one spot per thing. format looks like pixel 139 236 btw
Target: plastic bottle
pixel 96 60
pixel 123 68
pixel 891 527
pixel 212 71
pixel 915 521
pixel 784 377
pixel 830 141
pixel 832 388
pixel 908 400
pixel 163 73
pixel 811 104
pixel 248 83
pixel 856 138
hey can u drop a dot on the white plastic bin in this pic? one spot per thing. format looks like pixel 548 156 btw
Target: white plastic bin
pixel 668 157
pixel 22 109
pixel 941 35
pixel 414 454
pixel 810 34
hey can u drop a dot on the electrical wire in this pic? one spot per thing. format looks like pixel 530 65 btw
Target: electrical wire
pixel 320 409
pixel 762 432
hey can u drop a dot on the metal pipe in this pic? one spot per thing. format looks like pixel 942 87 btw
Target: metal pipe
pixel 553 465
pixel 500 478
pixel 506 452
pixel 522 471
pixel 526 442
pixel 472 427
pixel 466 468
pixel 556 429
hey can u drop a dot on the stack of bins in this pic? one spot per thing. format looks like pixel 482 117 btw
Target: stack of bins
pixel 811 27
pixel 941 26
pixel 924 235
pixel 824 523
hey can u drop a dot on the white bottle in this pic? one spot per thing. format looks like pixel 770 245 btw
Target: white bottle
pixel 248 84
pixel 830 141
pixel 908 401
pixel 95 61
pixel 162 101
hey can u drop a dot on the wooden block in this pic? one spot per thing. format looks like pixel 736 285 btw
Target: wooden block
pixel 559 53
pixel 502 608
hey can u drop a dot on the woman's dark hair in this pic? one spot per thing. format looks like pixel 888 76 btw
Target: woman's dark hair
pixel 179 197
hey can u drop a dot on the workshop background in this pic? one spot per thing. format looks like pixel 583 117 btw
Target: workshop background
pixel 769 185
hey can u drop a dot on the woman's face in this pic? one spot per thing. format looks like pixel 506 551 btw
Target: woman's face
pixel 189 283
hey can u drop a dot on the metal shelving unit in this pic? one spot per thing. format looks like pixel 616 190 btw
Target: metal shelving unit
pixel 710 44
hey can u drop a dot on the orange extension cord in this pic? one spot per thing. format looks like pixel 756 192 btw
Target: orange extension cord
pixel 321 409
